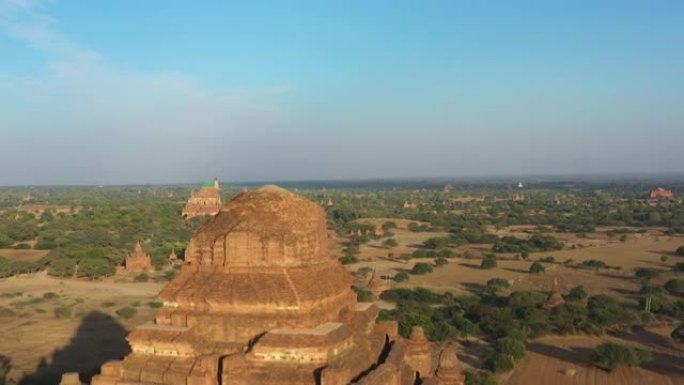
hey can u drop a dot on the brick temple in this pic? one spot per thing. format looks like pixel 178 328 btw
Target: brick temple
pixel 206 201
pixel 259 300
pixel 660 193
pixel 138 260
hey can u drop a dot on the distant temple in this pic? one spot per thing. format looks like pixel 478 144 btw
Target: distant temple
pixel 138 260
pixel 518 197
pixel 173 258
pixel 206 201
pixel 555 298
pixel 661 193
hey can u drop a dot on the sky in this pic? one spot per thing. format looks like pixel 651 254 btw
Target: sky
pixel 143 92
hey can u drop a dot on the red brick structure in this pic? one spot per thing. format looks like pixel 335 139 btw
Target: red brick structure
pixel 138 260
pixel 555 298
pixel 661 193
pixel 206 201
pixel 259 301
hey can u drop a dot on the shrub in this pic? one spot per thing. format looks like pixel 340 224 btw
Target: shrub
pixel 537 267
pixel 498 362
pixel 479 378
pixel 488 262
pixel 495 285
pixel 62 312
pixel 436 243
pixel 155 304
pixel 169 275
pixel 63 267
pixel 680 251
pixel 142 277
pixel 95 268
pixel 679 267
pixel 594 264
pixel 126 312
pixel 606 311
pixel 7 312
pixel 678 333
pixel 390 242
pixel 511 347
pixel 548 259
pixel 646 273
pixel 348 260
pixel 577 293
pixel 421 268
pixel 50 295
pixel 441 261
pixel 611 356
pixel 401 277
pixel 108 304
pixel 389 225
pixel 364 296
pixel 675 285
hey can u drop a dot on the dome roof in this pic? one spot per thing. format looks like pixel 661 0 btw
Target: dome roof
pixel 261 263
pixel 267 227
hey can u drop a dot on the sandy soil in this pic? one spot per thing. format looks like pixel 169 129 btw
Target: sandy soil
pixel 40 345
pixel 464 276
pixel 23 255
pixel 552 360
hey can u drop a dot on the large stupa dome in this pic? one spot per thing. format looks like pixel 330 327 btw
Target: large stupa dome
pixel 266 228
pixel 261 263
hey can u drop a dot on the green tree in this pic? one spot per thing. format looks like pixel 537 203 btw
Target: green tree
pixel 421 268
pixel 675 285
pixel 488 262
pixel 126 312
pixel 63 267
pixel 678 333
pixel 401 277
pixel 390 243
pixel 577 293
pixel 511 347
pixel 678 267
pixel 646 273
pixel 495 285
pixel 479 378
pixel 680 251
pixel 537 267
pixel 612 356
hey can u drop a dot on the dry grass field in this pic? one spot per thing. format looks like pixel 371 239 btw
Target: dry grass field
pixel 40 341
pixel 565 361
pixel 23 255
pixel 40 344
pixel 464 275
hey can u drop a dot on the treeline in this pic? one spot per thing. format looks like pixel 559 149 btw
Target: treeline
pixel 578 212
pixel 93 237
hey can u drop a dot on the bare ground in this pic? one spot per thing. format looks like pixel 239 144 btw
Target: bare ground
pixel 41 346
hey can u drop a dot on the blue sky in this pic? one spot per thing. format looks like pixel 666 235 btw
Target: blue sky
pixel 177 91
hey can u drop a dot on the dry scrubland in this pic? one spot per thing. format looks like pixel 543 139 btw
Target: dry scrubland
pixel 464 275
pixel 557 360
pixel 563 361
pixel 39 341
pixel 67 324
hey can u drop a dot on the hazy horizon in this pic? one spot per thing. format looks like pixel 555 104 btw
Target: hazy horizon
pixel 159 92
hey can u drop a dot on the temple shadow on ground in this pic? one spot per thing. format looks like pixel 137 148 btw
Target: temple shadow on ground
pixel 98 339
pixel 4 368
